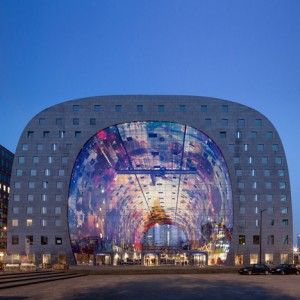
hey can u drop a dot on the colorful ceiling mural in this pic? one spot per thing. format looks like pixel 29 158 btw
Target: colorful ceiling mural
pixel 131 176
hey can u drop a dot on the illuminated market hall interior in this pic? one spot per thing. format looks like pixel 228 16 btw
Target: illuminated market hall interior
pixel 150 192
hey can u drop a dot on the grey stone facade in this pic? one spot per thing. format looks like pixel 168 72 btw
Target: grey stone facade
pixel 53 138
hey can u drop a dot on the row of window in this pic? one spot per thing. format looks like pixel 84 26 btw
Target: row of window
pixel 256 239
pixel 40 147
pixel 46 172
pixel 246 147
pixel 264 160
pixel 270 210
pixel 29 210
pixel 33 184
pixel 160 108
pixel 36 160
pixel 29 222
pixel 268 259
pixel 44 197
pixel 242 223
pixel 253 172
pixel 256 197
pixel 29 240
pixel 267 185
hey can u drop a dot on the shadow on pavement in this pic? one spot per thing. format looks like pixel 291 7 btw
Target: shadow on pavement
pixel 184 288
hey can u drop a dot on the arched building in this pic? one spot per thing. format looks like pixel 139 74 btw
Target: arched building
pixel 152 180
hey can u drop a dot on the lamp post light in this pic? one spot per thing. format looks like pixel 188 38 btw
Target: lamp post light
pixel 260 234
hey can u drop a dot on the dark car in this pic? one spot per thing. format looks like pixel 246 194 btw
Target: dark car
pixel 286 269
pixel 255 269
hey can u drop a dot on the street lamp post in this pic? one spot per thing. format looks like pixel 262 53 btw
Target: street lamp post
pixel 260 234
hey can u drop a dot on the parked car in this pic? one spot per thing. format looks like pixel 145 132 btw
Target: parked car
pixel 255 269
pixel 286 269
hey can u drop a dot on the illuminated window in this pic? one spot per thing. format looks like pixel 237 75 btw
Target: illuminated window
pixel 54 147
pixel 253 258
pixel 44 223
pixel 269 258
pixel 15 222
pixel 284 258
pixel 242 239
pixel 29 222
pixel 58 241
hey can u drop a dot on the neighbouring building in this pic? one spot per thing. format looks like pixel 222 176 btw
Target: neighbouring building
pixel 151 180
pixel 6 161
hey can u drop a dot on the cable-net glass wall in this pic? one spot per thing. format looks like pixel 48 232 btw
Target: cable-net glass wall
pixel 131 177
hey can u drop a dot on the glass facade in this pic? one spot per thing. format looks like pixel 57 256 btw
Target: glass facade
pixel 134 180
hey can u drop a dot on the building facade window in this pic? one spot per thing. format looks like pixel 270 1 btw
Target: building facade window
pixel 242 239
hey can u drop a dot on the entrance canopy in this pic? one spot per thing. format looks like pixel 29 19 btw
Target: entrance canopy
pixel 129 177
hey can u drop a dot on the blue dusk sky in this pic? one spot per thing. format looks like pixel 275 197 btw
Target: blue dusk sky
pixel 245 51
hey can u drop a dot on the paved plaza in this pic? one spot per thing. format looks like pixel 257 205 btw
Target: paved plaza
pixel 192 286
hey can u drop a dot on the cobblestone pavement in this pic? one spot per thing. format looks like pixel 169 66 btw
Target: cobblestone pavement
pixel 192 286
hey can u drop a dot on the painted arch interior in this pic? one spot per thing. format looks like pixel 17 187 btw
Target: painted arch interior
pixel 133 177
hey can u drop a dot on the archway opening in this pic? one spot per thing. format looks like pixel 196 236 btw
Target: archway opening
pixel 134 179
